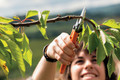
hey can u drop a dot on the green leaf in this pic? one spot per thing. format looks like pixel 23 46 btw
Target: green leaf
pixel 3 42
pixel 81 34
pixel 101 52
pixel 110 66
pixel 7 55
pixel 45 15
pixel 2 48
pixel 94 22
pixel 18 39
pixel 3 65
pixel 43 31
pixel 86 35
pixel 15 50
pixel 117 53
pixel 109 48
pixel 3 61
pixel 107 41
pixel 115 33
pixel 31 13
pixel 7 28
pixel 27 53
pixel 5 20
pixel 42 26
pixel 112 23
pixel 16 17
pixel 115 41
pixel 103 37
pixel 92 42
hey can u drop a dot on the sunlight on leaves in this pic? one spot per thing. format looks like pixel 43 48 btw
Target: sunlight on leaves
pixel 16 17
pixel 15 51
pixel 112 23
pixel 3 65
pixel 103 37
pixel 94 22
pixel 27 53
pixel 31 13
pixel 7 28
pixel 86 35
pixel 119 77
pixel 14 45
pixel 5 20
pixel 115 41
pixel 18 39
pixel 81 34
pixel 42 26
pixel 115 33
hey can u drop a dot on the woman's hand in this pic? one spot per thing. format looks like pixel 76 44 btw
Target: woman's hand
pixel 61 48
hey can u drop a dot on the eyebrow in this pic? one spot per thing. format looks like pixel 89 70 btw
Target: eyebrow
pixel 94 56
pixel 80 57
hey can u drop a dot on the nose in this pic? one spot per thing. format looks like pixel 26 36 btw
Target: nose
pixel 88 65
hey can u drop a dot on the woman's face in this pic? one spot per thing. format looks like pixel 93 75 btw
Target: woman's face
pixel 85 67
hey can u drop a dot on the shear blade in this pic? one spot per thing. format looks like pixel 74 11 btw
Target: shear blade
pixel 83 15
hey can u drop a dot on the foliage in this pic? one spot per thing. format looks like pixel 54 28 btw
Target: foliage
pixel 106 42
pixel 119 77
pixel 14 43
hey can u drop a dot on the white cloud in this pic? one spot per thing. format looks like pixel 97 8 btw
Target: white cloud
pixel 12 7
pixel 97 3
pixel 4 4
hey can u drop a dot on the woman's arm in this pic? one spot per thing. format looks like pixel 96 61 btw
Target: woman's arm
pixel 61 48
pixel 45 70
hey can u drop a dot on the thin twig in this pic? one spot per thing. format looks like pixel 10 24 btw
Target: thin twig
pixel 64 18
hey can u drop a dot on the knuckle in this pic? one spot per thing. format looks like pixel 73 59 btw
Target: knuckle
pixel 64 47
pixel 65 38
pixel 69 59
pixel 61 53
pixel 52 46
pixel 59 58
pixel 67 63
pixel 55 40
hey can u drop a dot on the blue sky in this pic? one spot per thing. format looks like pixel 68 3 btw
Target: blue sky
pixel 17 7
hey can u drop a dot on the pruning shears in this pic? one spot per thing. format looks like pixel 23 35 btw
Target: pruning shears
pixel 77 28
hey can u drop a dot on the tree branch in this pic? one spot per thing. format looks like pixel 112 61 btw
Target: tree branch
pixel 64 18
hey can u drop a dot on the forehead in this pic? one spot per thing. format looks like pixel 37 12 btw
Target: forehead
pixel 84 53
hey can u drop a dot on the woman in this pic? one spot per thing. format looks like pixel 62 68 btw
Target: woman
pixel 81 65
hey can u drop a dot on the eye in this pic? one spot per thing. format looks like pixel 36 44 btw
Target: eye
pixel 79 61
pixel 94 60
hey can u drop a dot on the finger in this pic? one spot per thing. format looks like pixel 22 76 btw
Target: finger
pixel 66 38
pixel 62 54
pixel 62 60
pixel 64 47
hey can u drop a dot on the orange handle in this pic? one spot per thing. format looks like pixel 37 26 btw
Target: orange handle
pixel 73 38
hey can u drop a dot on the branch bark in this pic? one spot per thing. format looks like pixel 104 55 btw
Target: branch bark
pixel 64 18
